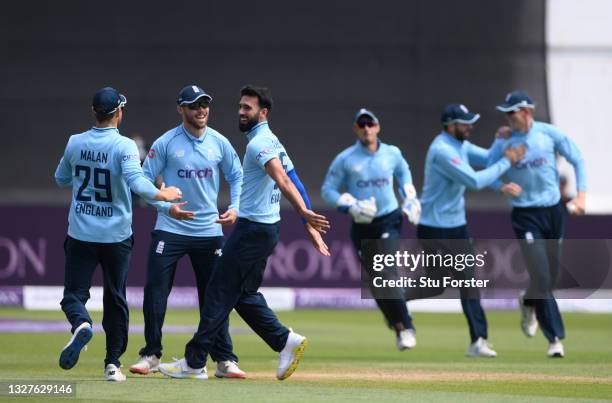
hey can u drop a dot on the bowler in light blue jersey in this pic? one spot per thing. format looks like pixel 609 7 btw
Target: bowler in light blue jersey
pixel 538 214
pixel 193 156
pixel 361 181
pixel 101 166
pixel 449 171
pixel 268 173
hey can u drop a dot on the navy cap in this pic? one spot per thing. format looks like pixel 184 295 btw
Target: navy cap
pixel 515 101
pixel 365 112
pixel 190 94
pixel 107 100
pixel 458 113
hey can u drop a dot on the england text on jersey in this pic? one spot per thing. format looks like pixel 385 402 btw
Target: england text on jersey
pixel 92 210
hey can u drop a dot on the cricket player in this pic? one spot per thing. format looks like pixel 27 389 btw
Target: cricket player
pixel 538 213
pixel 366 172
pixel 442 229
pixel 268 172
pixel 192 155
pixel 102 167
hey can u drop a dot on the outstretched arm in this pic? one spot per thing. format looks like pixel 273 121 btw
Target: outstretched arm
pixel 135 178
pixel 275 170
pixel 460 171
pixel 315 236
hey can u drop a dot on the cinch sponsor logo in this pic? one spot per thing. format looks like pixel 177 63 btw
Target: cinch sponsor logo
pixel 378 183
pixel 536 163
pixel 130 157
pixel 195 173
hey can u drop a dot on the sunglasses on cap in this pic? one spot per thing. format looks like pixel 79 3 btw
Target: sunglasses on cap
pixel 363 123
pixel 194 106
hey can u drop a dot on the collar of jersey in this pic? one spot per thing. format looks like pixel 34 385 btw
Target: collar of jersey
pixel 105 129
pixel 192 137
pixel 256 129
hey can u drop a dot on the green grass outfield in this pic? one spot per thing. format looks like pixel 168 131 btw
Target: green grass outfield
pixel 351 358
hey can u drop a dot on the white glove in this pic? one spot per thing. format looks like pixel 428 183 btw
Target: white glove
pixel 364 211
pixel 412 209
pixel 346 200
pixel 411 206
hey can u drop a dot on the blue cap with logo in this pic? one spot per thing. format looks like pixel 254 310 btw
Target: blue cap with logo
pixel 365 112
pixel 107 100
pixel 190 94
pixel 458 113
pixel 515 101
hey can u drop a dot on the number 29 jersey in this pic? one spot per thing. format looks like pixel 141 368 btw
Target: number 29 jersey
pixel 102 166
pixel 260 197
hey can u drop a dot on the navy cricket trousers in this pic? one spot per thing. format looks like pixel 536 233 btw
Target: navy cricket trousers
pixel 165 251
pixel 81 261
pixel 234 284
pixel 540 231
pixel 385 227
pixel 455 241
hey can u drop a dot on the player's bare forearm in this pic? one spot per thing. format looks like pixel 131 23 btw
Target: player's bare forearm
pixel 275 170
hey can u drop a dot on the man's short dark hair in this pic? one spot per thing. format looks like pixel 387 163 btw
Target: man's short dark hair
pixel 102 117
pixel 264 97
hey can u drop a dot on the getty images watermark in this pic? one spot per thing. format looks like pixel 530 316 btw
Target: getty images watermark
pixel 489 268
pixel 434 261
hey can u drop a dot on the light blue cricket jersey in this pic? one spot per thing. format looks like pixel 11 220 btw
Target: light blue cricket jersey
pixel 260 198
pixel 364 174
pixel 537 173
pixel 102 166
pixel 193 164
pixel 448 171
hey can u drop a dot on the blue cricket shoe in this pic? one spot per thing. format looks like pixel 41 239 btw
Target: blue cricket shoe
pixel 70 353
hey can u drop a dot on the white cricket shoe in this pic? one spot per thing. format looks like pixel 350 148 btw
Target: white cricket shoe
pixel 481 348
pixel 145 365
pixel 555 349
pixel 181 370
pixel 406 339
pixel 529 323
pixel 77 343
pixel 289 357
pixel 229 369
pixel 112 373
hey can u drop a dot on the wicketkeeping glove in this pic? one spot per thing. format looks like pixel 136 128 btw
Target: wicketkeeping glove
pixel 362 211
pixel 411 206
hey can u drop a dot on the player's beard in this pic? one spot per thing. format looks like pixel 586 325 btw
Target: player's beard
pixel 195 123
pixel 248 125
pixel 366 141
pixel 462 135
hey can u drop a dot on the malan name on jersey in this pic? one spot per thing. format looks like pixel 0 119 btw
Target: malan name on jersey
pixel 94 156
